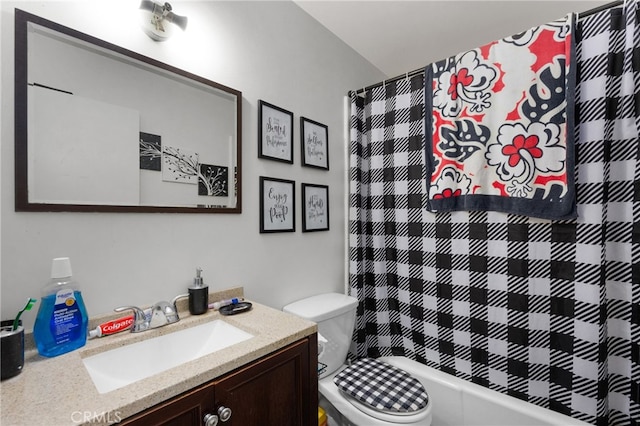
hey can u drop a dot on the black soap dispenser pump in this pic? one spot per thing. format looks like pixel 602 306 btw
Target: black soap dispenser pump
pixel 198 295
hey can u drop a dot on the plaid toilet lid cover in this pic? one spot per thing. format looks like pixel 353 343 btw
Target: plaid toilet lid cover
pixel 382 386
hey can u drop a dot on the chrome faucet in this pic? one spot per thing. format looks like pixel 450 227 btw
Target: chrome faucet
pixel 162 313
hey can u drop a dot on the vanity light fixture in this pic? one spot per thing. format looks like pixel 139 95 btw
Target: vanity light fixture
pixel 158 20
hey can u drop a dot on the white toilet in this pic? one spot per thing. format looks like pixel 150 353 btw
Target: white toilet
pixel 367 393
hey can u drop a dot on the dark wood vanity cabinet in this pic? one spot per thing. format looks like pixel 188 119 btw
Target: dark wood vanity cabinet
pixel 278 389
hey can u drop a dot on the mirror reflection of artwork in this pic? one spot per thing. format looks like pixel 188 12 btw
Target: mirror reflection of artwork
pixel 150 152
pixel 213 180
pixel 180 165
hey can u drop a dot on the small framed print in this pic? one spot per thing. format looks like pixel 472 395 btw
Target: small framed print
pixel 277 205
pixel 315 144
pixel 275 133
pixel 315 208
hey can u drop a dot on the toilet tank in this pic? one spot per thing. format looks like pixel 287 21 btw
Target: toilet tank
pixel 335 315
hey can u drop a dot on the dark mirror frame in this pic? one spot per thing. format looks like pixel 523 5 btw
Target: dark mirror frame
pixel 22 203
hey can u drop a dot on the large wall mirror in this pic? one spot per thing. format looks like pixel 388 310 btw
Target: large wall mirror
pixel 100 128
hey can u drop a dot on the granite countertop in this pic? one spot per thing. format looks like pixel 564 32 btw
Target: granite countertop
pixel 59 391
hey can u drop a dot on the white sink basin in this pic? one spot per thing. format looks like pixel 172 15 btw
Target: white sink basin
pixel 122 366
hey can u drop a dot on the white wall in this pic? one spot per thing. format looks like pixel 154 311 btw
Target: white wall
pixel 268 50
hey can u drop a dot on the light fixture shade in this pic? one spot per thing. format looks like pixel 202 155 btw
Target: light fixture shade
pixel 159 21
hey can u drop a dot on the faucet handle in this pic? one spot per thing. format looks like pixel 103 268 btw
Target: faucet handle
pixel 178 297
pixel 172 309
pixel 140 322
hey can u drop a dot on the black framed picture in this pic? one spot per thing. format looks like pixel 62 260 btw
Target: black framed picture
pixel 275 133
pixel 315 207
pixel 315 143
pixel 277 205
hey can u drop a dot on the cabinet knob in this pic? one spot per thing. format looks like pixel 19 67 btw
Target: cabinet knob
pixel 210 420
pixel 224 413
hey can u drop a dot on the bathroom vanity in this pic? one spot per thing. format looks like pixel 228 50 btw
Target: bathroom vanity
pixel 269 378
pixel 275 390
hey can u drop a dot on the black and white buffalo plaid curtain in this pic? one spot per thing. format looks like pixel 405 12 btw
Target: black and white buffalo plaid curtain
pixel 546 311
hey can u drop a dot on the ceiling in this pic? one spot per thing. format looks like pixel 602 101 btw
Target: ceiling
pixel 401 36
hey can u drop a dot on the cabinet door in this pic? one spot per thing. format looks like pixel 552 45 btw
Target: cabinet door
pixel 187 409
pixel 280 389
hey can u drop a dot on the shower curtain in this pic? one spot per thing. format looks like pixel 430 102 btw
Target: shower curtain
pixel 546 311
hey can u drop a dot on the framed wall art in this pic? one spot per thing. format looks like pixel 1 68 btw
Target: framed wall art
pixel 315 207
pixel 277 205
pixel 315 144
pixel 275 133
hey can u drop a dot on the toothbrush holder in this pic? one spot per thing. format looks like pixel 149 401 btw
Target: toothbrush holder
pixel 11 349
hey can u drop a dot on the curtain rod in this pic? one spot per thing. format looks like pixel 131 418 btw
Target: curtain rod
pixel 420 71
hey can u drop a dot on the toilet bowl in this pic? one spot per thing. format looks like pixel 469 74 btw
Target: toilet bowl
pixel 368 392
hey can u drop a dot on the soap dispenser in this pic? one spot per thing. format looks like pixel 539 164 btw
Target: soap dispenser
pixel 198 295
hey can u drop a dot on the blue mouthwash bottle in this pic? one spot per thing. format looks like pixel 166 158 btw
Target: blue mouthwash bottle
pixel 62 323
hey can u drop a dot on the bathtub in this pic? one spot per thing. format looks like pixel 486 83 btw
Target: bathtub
pixel 458 402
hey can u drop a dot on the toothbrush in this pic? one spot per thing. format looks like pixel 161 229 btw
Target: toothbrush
pixel 27 307
pixel 221 303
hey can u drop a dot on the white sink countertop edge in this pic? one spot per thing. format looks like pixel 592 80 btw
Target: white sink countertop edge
pixel 59 390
